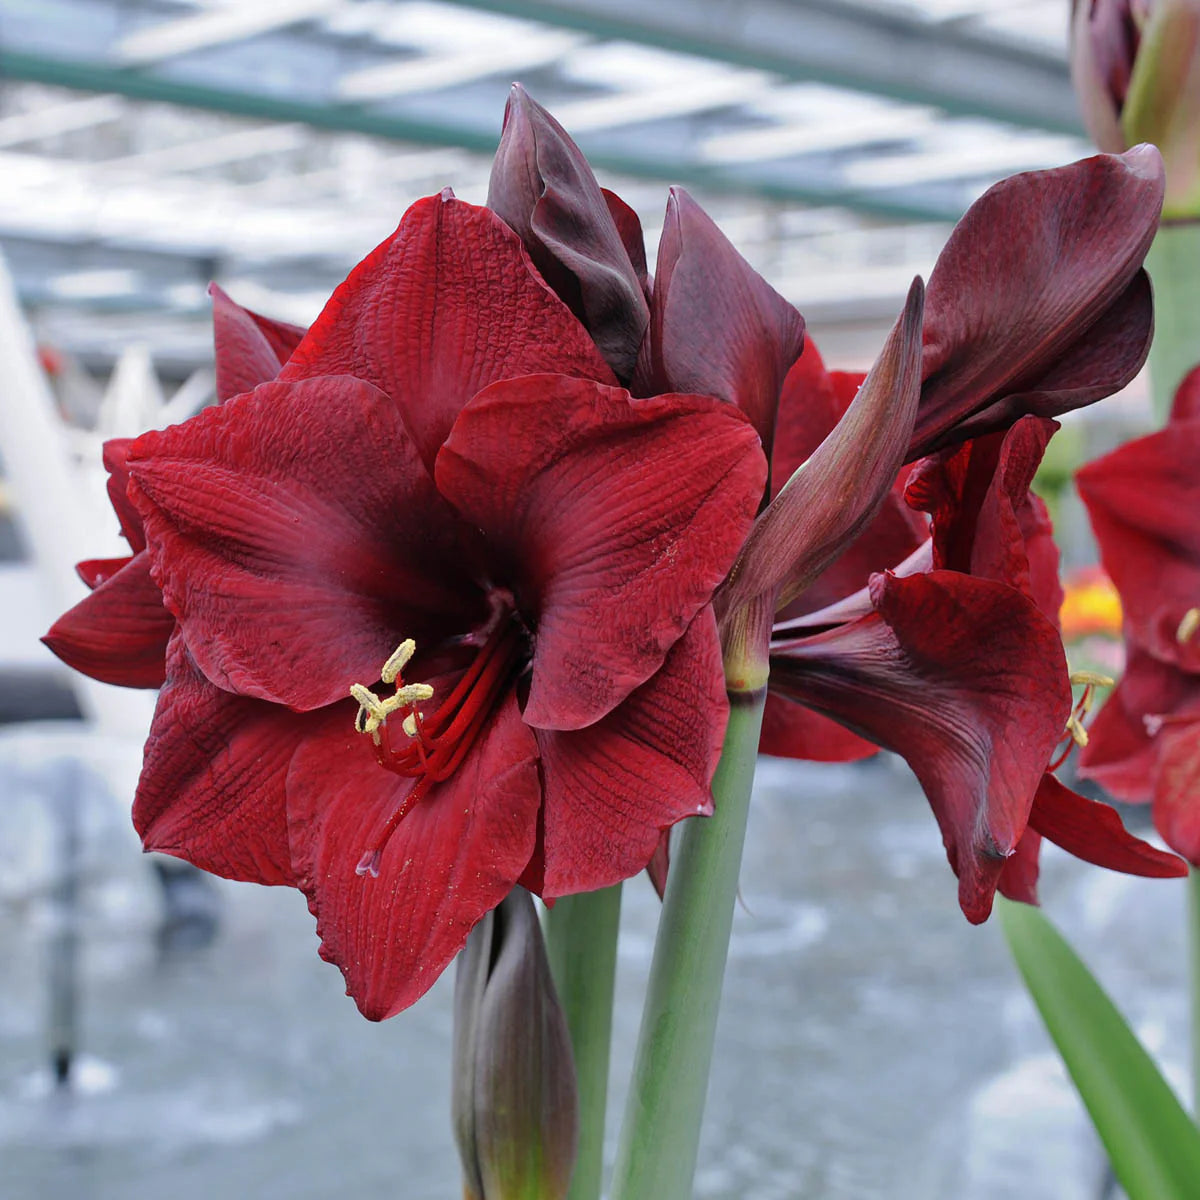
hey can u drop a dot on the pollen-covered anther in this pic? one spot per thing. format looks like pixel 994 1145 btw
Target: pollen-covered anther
pixel 1091 679
pixel 373 710
pixel 1188 626
pixel 1079 735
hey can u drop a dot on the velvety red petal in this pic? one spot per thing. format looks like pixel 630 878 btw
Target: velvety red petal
pixel 116 455
pixel 1177 789
pixel 843 485
pixel 1187 398
pixel 1036 304
pixel 659 866
pixel 447 305
pixel 984 521
pixel 212 786
pixel 118 633
pixel 94 571
pixel 299 539
pixel 629 227
pixel 813 402
pixel 716 326
pixel 965 679
pixel 617 520
pixel 790 730
pixel 1143 499
pixel 612 788
pixel 1019 878
pixel 454 857
pixel 1122 752
pixel 542 187
pixel 250 348
pixel 1095 833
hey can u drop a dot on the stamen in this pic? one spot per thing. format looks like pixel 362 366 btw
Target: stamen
pixel 1091 679
pixel 437 745
pixel 398 660
pixel 1188 626
pixel 1076 732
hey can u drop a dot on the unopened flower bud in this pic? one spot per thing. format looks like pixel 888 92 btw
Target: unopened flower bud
pixel 1136 69
pixel 514 1100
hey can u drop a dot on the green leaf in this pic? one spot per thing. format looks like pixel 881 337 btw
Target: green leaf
pixel 1151 1141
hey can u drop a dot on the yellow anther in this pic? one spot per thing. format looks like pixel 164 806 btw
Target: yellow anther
pixel 373 710
pixel 1090 679
pixel 1075 728
pixel 410 724
pixel 1188 626
pixel 398 660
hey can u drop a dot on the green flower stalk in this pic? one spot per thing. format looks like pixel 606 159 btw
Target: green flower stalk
pixel 514 1096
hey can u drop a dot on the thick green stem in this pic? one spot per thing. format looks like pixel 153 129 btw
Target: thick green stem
pixel 660 1134
pixel 581 943
pixel 1174 266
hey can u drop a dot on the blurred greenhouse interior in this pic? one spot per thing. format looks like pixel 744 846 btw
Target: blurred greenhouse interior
pixel 148 147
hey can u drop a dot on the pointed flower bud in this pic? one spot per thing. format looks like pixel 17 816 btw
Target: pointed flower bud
pixel 586 244
pixel 1136 69
pixel 514 1102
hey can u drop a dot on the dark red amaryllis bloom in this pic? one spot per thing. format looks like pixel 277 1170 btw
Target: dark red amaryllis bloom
pixel 954 660
pixel 1143 500
pixel 118 634
pixel 484 556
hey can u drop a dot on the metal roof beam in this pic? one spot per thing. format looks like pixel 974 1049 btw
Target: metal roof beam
pixel 629 158
pixel 842 42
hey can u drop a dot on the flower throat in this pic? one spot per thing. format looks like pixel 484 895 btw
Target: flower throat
pixel 438 741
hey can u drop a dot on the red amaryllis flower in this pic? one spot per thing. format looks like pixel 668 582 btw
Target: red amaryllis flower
pixel 955 662
pixel 1027 311
pixel 118 634
pixel 509 571
pixel 1143 500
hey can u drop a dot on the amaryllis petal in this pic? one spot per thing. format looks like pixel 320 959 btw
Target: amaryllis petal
pixel 1123 746
pixel 212 786
pixel 1019 878
pixel 984 520
pixel 1186 406
pixel 250 348
pixel 118 633
pixel 1095 833
pixel 841 487
pixel 1176 812
pixel 716 326
pixel 94 571
pixel 966 680
pixel 542 187
pixel 116 456
pixel 792 731
pixel 1143 499
pixel 611 789
pixel 445 306
pixel 813 402
pixel 295 574
pixel 453 857
pixel 1025 301
pixel 617 520
pixel 629 227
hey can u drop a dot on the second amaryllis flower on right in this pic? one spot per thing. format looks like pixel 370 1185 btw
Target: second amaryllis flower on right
pixel 1144 502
